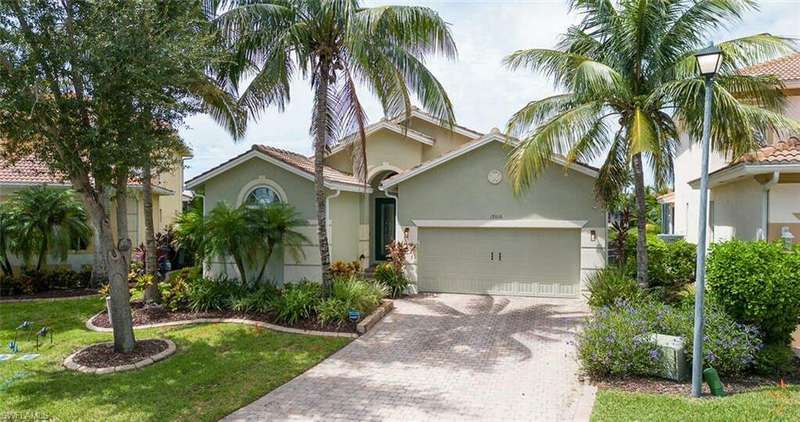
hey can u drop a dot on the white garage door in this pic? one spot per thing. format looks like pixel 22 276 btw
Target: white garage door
pixel 504 261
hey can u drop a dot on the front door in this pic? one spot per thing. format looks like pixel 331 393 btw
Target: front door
pixel 384 226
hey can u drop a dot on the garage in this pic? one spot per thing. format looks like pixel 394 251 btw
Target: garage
pixel 520 261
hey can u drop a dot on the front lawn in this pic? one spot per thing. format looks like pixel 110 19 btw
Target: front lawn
pixel 774 404
pixel 218 368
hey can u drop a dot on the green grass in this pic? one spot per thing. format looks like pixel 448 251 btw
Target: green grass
pixel 769 404
pixel 218 368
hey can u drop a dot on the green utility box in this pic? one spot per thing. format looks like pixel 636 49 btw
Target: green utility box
pixel 674 365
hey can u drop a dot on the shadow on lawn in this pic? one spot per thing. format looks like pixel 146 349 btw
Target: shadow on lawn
pixel 205 379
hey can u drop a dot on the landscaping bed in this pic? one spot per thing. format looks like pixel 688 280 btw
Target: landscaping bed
pixel 150 315
pixel 649 385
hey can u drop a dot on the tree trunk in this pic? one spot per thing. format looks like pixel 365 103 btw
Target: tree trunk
pixel 641 222
pixel 41 261
pixel 151 292
pixel 100 267
pixel 121 190
pixel 117 267
pixel 320 141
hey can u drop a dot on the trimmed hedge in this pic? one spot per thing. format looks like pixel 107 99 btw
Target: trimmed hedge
pixel 757 283
pixel 32 282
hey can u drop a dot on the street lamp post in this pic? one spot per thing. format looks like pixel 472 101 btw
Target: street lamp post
pixel 709 61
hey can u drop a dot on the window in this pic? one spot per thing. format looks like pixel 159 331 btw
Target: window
pixel 79 244
pixel 261 196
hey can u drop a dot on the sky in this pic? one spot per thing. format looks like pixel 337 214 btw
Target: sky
pixel 483 92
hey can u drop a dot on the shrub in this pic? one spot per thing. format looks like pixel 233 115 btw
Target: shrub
pixel 257 299
pixel 616 341
pixel 609 285
pixel 206 294
pixel 297 302
pixel 395 281
pixel 670 266
pixel 757 283
pixel 775 359
pixel 358 294
pixel 341 269
pixel 32 282
pixel 332 310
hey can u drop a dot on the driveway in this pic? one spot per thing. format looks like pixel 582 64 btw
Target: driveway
pixel 446 357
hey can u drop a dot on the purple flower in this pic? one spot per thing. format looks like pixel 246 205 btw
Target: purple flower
pixel 655 354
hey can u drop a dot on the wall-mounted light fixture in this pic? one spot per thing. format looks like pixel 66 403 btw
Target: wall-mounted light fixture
pixel 593 235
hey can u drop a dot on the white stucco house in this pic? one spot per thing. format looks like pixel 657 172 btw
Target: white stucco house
pixel 753 197
pixel 442 188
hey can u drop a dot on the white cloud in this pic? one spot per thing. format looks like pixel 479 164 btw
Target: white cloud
pixel 484 94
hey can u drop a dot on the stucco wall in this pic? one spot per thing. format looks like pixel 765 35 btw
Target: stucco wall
pixel 170 205
pixel 446 140
pixel 784 210
pixel 736 211
pixel 345 213
pixel 459 189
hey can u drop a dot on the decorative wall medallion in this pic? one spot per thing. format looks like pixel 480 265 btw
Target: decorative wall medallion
pixel 495 177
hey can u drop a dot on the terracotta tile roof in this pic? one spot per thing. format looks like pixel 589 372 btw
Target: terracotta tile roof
pixel 306 164
pixel 786 68
pixel 782 152
pixel 30 171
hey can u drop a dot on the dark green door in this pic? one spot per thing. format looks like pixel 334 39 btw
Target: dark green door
pixel 384 226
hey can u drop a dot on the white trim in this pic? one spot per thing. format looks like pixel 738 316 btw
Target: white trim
pixel 739 170
pixel 492 137
pixel 521 224
pixel 197 181
pixel 382 168
pixel 430 119
pixel 391 126
pixel 261 181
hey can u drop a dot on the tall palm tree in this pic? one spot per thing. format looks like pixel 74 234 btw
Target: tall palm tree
pixel 47 221
pixel 631 81
pixel 276 224
pixel 336 45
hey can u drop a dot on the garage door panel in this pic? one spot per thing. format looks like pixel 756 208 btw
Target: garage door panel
pixel 530 262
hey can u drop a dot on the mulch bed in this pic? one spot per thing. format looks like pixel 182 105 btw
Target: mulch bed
pixel 664 386
pixel 104 356
pixel 52 294
pixel 145 315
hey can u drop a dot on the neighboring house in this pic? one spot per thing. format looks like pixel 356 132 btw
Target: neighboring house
pixel 442 188
pixel 167 201
pixel 752 197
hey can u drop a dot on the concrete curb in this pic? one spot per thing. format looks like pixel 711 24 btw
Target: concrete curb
pixel 48 299
pixel 69 362
pixel 382 310
pixel 585 403
pixel 367 323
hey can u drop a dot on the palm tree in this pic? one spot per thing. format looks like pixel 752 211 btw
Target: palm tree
pixel 630 81
pixel 276 224
pixel 336 45
pixel 250 235
pixel 47 221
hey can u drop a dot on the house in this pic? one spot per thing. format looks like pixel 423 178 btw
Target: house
pixel 756 196
pixel 167 201
pixel 442 188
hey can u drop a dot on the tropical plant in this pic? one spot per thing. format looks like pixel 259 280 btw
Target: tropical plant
pixel 6 238
pixel 609 285
pixel 298 301
pixel 276 225
pixel 360 295
pixel 336 45
pixel 190 233
pixel 47 221
pixel 629 75
pixel 395 281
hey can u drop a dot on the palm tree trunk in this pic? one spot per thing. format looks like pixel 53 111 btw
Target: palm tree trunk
pixel 41 261
pixel 320 141
pixel 151 292
pixel 641 222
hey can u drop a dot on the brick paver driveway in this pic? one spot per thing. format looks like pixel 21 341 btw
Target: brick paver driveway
pixel 444 357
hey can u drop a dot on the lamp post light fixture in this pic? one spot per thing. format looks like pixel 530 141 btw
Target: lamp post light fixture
pixel 709 61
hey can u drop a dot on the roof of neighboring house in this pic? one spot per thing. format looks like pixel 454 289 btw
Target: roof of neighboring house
pixel 786 68
pixel 667 198
pixel 291 161
pixel 30 171
pixel 493 136
pixel 782 152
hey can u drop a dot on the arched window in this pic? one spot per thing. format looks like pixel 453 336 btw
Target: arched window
pixel 262 196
